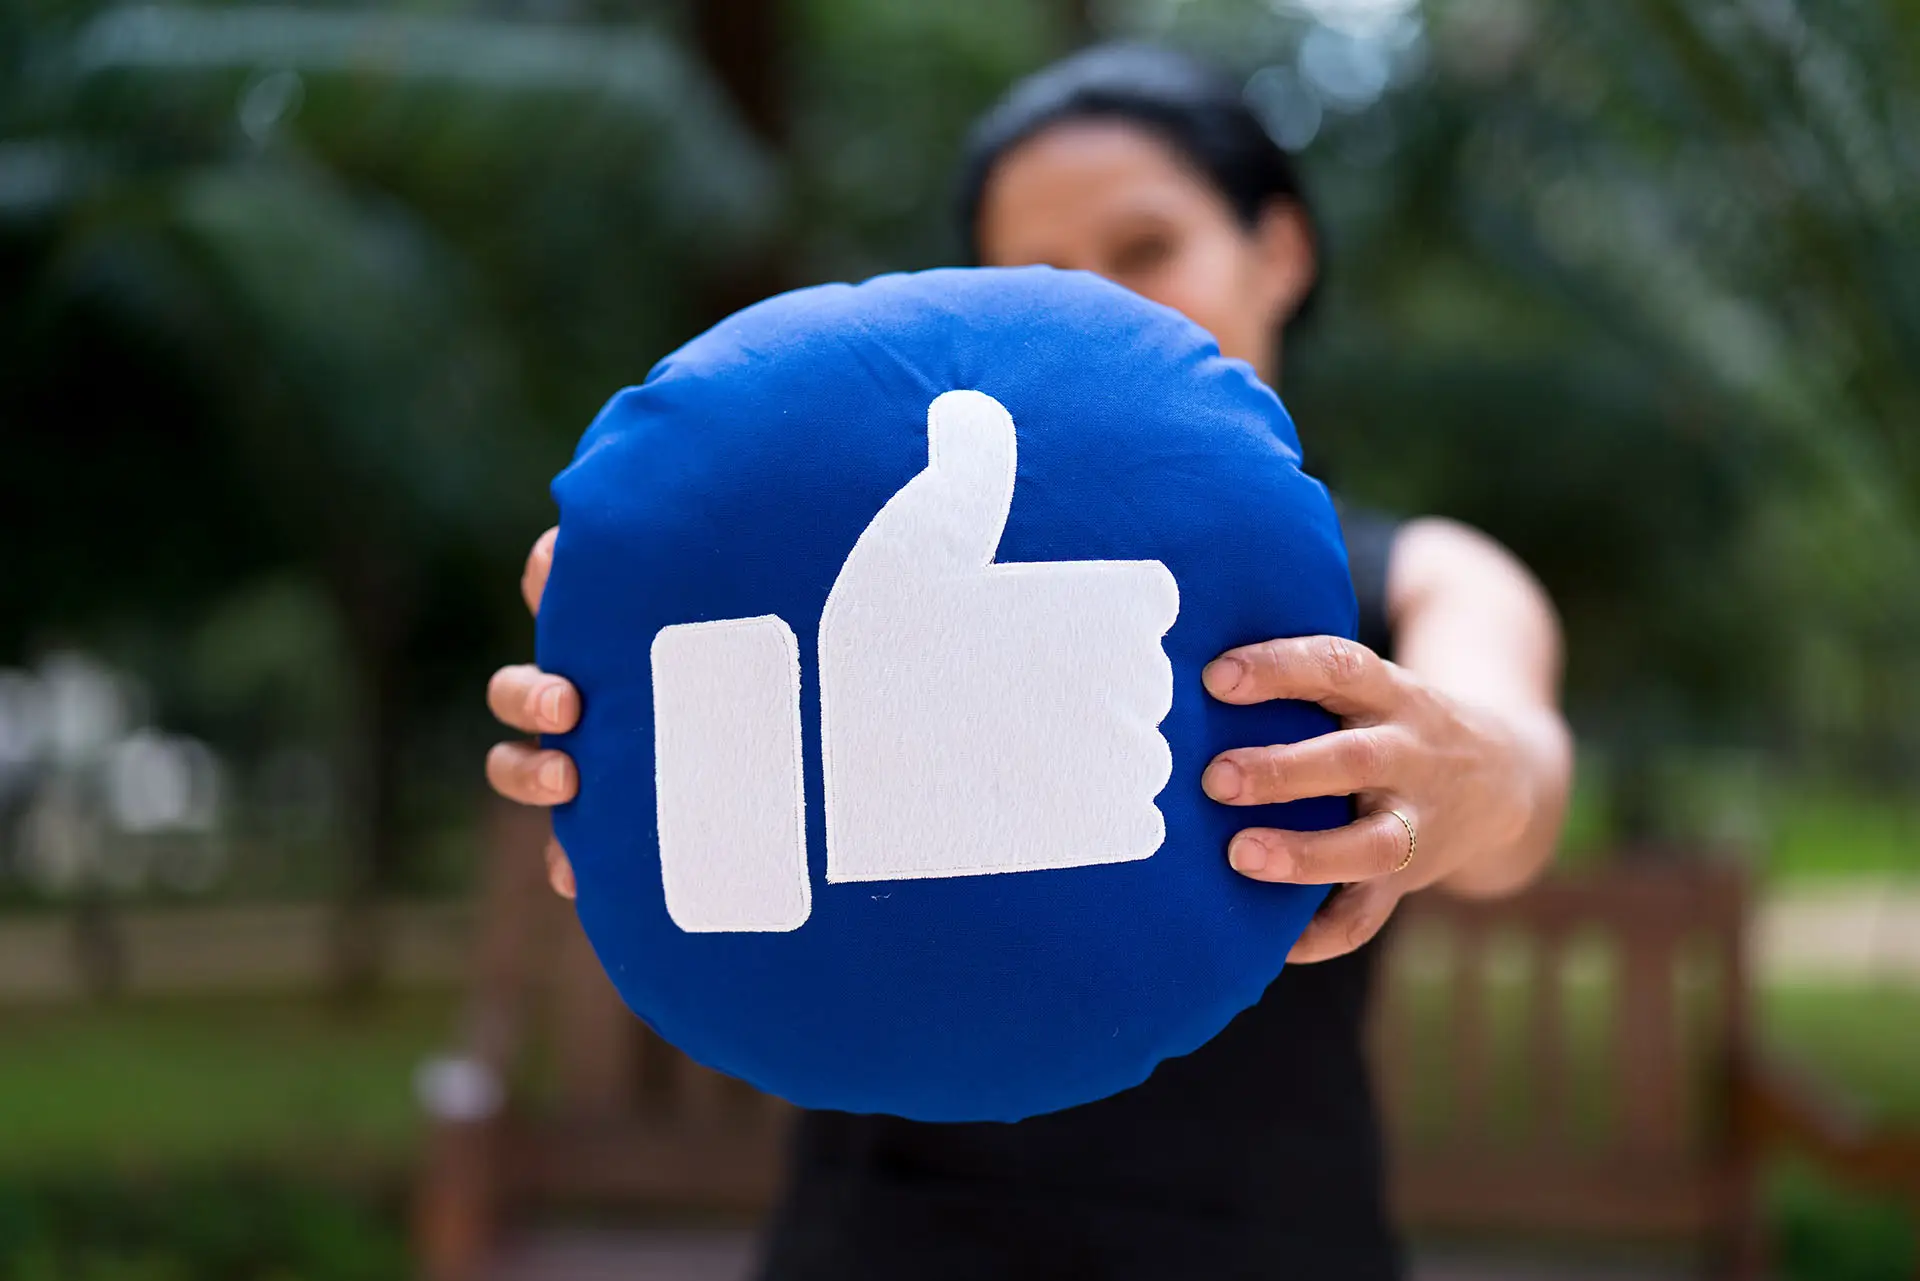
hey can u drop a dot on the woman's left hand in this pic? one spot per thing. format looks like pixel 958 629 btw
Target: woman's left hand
pixel 1459 774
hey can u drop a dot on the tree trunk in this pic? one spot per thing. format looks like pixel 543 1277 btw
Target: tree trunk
pixel 99 949
pixel 376 614
pixel 1081 28
pixel 742 42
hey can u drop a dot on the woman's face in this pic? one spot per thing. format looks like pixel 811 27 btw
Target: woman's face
pixel 1109 197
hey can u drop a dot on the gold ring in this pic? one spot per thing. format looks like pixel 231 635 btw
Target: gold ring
pixel 1413 842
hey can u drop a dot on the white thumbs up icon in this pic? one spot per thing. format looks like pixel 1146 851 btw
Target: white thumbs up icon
pixel 975 717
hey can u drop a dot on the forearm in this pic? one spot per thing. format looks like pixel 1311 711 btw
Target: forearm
pixel 1476 628
pixel 1541 774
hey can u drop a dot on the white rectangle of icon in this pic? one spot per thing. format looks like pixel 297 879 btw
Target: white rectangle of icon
pixel 729 778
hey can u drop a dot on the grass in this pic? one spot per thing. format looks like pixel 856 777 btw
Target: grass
pixel 192 1139
pixel 217 1082
pixel 1823 1232
pixel 1823 831
pixel 241 1225
pixel 235 1139
pixel 1797 826
pixel 1865 1041
pixel 214 1083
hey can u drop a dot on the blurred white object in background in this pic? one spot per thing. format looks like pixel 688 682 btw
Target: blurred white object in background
pixel 60 843
pixel 161 782
pixel 106 803
pixel 87 707
pixel 458 1087
pixel 23 724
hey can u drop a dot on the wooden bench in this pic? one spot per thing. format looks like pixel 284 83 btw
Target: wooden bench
pixel 1574 1062
pixel 1567 1062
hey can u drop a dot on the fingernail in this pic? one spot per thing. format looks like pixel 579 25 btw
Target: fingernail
pixel 1246 855
pixel 1222 781
pixel 553 774
pixel 550 699
pixel 1223 675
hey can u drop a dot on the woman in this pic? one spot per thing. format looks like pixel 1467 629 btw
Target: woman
pixel 1257 1155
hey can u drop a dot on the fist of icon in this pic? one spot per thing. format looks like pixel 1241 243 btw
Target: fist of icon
pixel 975 717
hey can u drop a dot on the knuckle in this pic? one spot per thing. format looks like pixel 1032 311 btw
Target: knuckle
pixel 1264 658
pixel 1364 756
pixel 1389 841
pixel 1376 917
pixel 1361 914
pixel 1340 660
pixel 499 766
pixel 510 695
pixel 527 769
pixel 1303 859
pixel 1266 766
pixel 1360 927
pixel 1311 945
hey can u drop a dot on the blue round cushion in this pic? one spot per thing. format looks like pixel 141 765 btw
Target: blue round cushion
pixel 924 971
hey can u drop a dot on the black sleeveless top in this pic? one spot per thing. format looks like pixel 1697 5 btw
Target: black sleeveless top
pixel 1256 1156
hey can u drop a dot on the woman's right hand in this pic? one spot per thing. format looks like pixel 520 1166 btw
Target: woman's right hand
pixel 526 698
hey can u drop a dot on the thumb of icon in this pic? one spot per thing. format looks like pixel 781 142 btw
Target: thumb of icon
pixel 948 519
pixel 979 717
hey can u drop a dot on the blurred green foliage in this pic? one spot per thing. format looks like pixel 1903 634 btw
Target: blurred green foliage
pixel 1828 1233
pixel 234 1226
pixel 300 307
pixel 1633 285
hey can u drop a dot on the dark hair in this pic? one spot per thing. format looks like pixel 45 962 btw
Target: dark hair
pixel 1195 109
